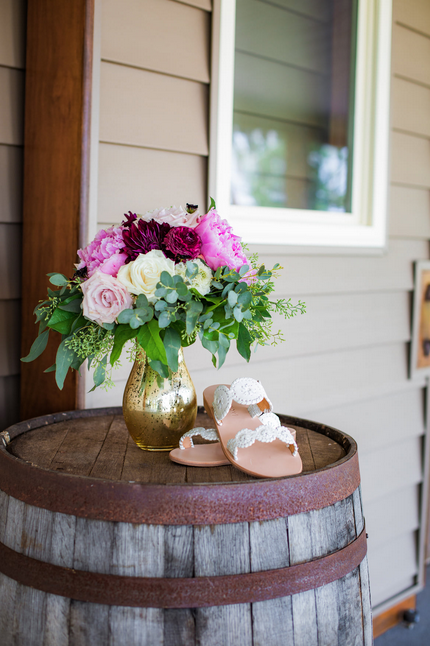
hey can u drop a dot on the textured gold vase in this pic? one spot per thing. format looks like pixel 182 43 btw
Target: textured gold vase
pixel 158 411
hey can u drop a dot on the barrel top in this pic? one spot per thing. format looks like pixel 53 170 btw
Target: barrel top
pixel 85 462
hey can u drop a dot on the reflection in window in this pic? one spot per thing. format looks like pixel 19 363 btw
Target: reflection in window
pixel 293 104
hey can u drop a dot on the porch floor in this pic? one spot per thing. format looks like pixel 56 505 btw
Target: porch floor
pixel 420 634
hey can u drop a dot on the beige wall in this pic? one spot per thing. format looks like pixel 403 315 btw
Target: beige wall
pixel 12 64
pixel 346 361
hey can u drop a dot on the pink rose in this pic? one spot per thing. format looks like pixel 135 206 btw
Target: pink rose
pixel 219 245
pixel 104 298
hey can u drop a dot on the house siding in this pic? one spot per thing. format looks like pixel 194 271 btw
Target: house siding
pixel 345 362
pixel 12 65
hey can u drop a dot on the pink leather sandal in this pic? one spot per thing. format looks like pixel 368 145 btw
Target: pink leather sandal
pixel 250 434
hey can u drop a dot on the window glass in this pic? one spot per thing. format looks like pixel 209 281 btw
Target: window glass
pixel 293 104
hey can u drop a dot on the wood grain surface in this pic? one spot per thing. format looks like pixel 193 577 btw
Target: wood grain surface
pixel 57 98
pixel 101 447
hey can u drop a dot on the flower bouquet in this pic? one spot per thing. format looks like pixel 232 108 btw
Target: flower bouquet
pixel 161 280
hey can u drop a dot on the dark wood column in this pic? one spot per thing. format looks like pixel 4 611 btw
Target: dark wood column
pixel 57 124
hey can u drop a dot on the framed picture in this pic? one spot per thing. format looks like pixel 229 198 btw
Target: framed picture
pixel 420 346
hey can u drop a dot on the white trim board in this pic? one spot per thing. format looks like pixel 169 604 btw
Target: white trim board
pixel 365 229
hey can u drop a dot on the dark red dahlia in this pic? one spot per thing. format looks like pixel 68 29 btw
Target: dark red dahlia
pixel 182 243
pixel 143 237
pixel 130 218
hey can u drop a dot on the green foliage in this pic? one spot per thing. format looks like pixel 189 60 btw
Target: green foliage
pixel 236 308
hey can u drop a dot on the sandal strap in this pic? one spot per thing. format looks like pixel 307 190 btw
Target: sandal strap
pixel 264 433
pixel 246 391
pixel 205 433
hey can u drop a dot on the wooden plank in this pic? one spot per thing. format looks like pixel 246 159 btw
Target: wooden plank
pixel 55 182
pixel 343 322
pixel 218 550
pixel 334 379
pixel 131 35
pixel 267 625
pixel 393 616
pixel 147 466
pixel 9 401
pixel 11 162
pixel 10 338
pixel 381 421
pixel 266 30
pixel 12 106
pixel 201 4
pixel 81 446
pixel 153 119
pixel 410 107
pixel 383 520
pixel 12 33
pixel 135 179
pixel 137 551
pixel 40 451
pixel 409 212
pixel 269 93
pixel 112 454
pixel 410 159
pixel 388 470
pixel 179 626
pixel 10 261
pixel 415 15
pixel 306 274
pixel 411 51
pixel 389 574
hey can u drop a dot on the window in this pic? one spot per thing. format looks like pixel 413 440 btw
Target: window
pixel 300 120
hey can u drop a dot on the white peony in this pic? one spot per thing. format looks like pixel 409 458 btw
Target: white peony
pixel 142 275
pixel 175 216
pixel 201 282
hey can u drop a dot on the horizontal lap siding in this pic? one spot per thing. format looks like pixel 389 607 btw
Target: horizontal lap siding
pixel 345 362
pixel 12 79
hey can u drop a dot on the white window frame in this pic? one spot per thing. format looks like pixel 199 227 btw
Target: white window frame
pixel 366 227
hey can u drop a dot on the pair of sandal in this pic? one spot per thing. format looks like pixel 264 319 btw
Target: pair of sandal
pixel 243 415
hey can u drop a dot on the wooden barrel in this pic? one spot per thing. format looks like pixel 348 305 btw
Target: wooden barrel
pixel 104 544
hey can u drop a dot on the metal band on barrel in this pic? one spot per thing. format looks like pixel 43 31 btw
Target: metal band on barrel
pixel 198 592
pixel 184 504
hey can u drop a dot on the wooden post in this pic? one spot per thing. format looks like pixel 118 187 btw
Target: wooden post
pixel 57 139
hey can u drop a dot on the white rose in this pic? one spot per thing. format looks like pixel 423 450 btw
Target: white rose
pixel 201 282
pixel 142 275
pixel 175 216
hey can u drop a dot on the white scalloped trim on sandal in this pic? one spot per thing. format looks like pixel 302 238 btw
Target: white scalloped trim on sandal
pixel 246 391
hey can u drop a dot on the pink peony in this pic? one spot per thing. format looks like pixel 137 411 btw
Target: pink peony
pixel 219 244
pixel 106 244
pixel 104 298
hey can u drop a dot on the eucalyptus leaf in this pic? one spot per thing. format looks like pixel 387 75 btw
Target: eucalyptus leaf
pixel 125 316
pixel 226 289
pixel 51 368
pixel 39 345
pixel 245 299
pixel 166 279
pixel 171 296
pixel 160 306
pixel 160 291
pixel 224 346
pixel 238 314
pixel 232 298
pixel 58 279
pixel 243 270
pixel 100 372
pixel 164 319
pixel 142 301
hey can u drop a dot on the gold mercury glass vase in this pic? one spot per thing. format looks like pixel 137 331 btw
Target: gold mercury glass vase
pixel 158 411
